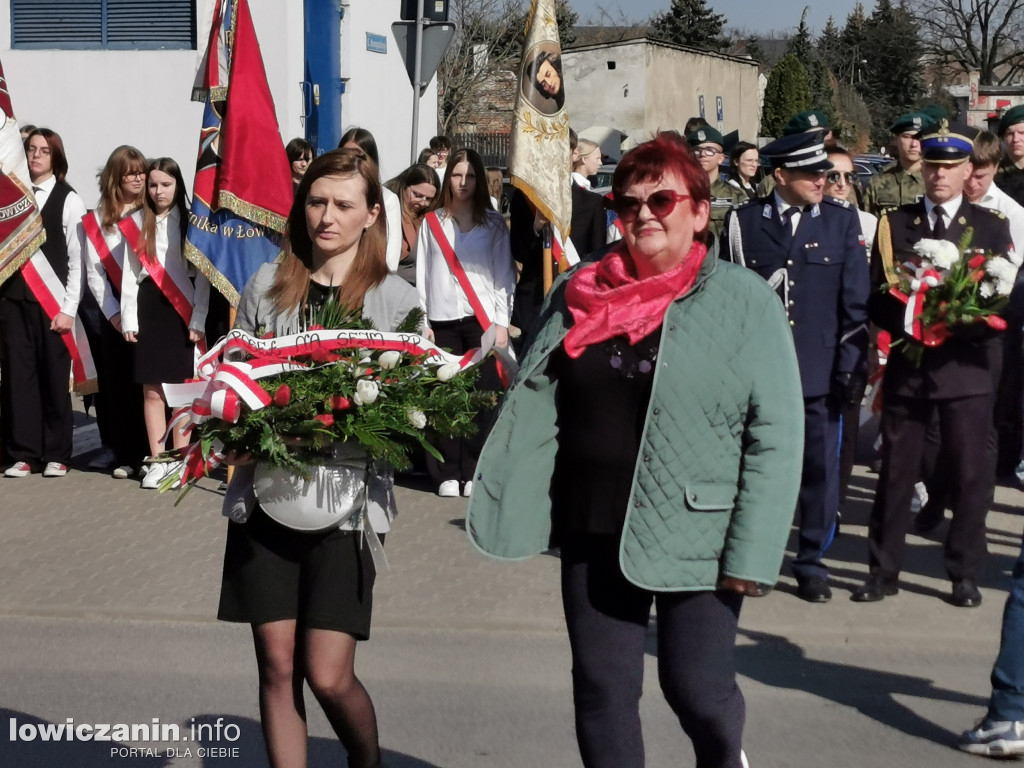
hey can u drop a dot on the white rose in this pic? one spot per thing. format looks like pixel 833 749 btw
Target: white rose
pixel 1002 269
pixel 417 418
pixel 389 359
pixel 448 371
pixel 366 392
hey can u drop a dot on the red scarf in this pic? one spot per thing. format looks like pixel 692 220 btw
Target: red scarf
pixel 606 299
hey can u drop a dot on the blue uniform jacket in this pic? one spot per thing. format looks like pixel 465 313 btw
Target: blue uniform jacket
pixel 821 275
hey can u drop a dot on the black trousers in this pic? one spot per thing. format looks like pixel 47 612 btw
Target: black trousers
pixel 461 453
pixel 35 399
pixel 607 619
pixel 819 486
pixel 965 423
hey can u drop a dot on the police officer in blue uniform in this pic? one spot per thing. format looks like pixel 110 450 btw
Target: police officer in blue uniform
pixel 810 249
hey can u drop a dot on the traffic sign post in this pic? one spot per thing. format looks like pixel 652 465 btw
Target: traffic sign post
pixel 422 52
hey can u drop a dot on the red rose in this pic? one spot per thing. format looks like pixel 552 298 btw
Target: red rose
pixel 325 418
pixel 282 396
pixel 976 275
pixel 340 403
pixel 995 322
pixel 976 262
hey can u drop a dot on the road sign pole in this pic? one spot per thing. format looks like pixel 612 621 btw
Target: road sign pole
pixel 417 78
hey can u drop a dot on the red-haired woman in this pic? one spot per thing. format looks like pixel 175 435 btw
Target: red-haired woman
pixel 465 276
pixel 164 301
pixel 653 432
pixel 308 596
pixel 119 407
pixel 35 361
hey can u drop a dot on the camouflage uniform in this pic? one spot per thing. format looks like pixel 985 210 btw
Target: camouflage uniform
pixel 892 188
pixel 723 198
pixel 766 185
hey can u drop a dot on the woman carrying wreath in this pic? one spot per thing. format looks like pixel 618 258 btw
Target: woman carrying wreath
pixel 653 433
pixel 308 596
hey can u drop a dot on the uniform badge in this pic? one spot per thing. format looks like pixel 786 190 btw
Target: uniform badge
pixel 702 136
pixel 815 212
pixel 813 120
pixel 962 221
pixel 767 212
pixel 917 222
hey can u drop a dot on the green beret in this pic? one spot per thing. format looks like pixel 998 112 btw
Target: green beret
pixel 812 120
pixel 913 122
pixel 1012 116
pixel 705 135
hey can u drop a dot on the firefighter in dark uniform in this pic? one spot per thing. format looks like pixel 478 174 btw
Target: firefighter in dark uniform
pixel 953 383
pixel 810 249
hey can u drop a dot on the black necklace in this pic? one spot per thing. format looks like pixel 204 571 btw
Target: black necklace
pixel 629 368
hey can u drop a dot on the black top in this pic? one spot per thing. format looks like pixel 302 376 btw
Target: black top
pixel 602 400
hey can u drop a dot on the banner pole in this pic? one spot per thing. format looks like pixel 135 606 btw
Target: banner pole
pixel 548 276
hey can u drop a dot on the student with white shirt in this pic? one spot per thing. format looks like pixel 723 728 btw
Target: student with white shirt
pixel 34 358
pixel 102 246
pixel 362 139
pixel 465 277
pixel 164 301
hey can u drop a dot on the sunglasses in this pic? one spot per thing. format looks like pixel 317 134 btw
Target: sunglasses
pixel 833 177
pixel 705 151
pixel 660 203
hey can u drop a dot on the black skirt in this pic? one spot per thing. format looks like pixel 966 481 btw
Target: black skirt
pixel 163 352
pixel 274 573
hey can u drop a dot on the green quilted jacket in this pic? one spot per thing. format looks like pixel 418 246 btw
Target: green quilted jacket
pixel 718 471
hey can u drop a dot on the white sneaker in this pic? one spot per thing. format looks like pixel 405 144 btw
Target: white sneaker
pixel 449 489
pixel 18 469
pixel 123 472
pixel 467 488
pixel 154 475
pixel 55 469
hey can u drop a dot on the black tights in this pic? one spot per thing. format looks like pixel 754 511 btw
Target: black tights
pixel 607 618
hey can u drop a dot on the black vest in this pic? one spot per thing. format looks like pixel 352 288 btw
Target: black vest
pixel 55 248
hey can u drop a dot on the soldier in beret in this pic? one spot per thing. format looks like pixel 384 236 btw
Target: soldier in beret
pixel 707 147
pixel 810 249
pixel 953 382
pixel 1010 177
pixel 900 183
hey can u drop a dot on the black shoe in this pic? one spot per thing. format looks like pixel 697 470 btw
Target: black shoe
pixel 965 594
pixel 875 588
pixel 814 589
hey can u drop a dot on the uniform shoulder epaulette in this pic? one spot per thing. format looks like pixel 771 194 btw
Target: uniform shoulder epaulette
pixel 837 201
pixel 890 209
pixel 994 212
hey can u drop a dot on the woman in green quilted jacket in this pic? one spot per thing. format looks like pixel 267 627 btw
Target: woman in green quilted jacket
pixel 654 433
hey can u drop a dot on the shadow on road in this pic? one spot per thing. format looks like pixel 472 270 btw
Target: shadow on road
pixel 780 663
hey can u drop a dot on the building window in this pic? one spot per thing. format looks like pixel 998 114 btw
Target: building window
pixel 103 24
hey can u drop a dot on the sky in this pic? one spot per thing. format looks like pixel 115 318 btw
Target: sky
pixel 750 15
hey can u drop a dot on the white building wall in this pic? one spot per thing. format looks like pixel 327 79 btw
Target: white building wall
pixel 97 100
pixel 597 95
pixel 378 94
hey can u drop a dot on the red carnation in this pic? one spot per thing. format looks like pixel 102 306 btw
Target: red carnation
pixel 325 418
pixel 340 403
pixel 976 262
pixel 976 275
pixel 282 396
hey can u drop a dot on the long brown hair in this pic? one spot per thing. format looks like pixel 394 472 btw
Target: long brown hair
pixel 171 168
pixel 418 173
pixel 291 282
pixel 122 161
pixel 481 197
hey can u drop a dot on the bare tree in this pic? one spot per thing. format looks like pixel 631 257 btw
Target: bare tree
pixel 483 46
pixel 974 34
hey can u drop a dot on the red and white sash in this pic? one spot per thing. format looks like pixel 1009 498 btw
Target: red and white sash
pixel 170 285
pixel 448 251
pixel 112 265
pixel 49 292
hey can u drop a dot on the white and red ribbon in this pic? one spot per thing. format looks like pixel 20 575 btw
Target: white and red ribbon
pixel 49 292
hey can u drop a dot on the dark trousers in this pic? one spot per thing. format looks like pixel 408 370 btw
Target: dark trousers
pixel 461 453
pixel 607 619
pixel 819 486
pixel 964 422
pixel 850 431
pixel 35 400
pixel 119 400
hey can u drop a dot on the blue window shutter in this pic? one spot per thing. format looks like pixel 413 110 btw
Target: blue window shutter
pixel 113 24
